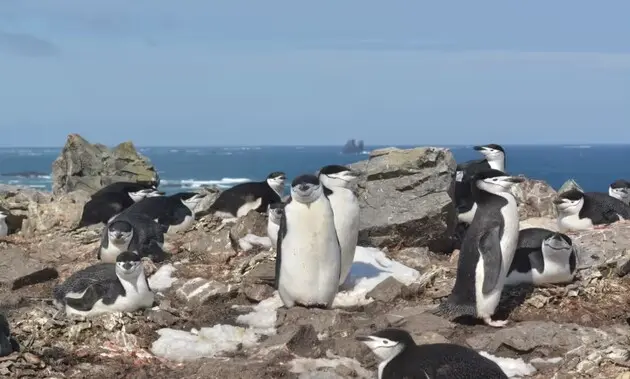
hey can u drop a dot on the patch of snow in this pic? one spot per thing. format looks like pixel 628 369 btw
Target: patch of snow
pixel 513 368
pixel 250 240
pixel 179 345
pixel 263 315
pixel 548 360
pixel 370 267
pixel 163 278
pixel 305 365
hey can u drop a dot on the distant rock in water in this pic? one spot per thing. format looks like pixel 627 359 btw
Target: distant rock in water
pixel 89 167
pixel 26 174
pixel 353 147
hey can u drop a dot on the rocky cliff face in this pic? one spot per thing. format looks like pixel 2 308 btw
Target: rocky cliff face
pixel 89 167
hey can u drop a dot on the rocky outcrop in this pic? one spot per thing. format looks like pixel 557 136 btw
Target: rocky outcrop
pixel 535 199
pixel 89 167
pixel 406 197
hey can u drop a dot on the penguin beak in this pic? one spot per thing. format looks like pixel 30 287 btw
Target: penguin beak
pixel 479 148
pixel 558 201
pixel 355 173
pixel 127 265
pixel 556 236
pixel 363 338
pixel 515 179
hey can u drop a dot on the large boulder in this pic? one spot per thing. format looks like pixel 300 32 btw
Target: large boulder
pixel 535 199
pixel 89 167
pixel 406 198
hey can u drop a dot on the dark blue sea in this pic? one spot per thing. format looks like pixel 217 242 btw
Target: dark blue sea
pixel 593 167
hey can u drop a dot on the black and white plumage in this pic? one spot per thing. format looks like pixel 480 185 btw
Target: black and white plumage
pixel 244 197
pixel 8 344
pixel 401 358
pixel 620 189
pixel 175 212
pixel 308 255
pixel 105 288
pixel 579 210
pixel 542 257
pixel 4 227
pixel 113 199
pixel 274 214
pixel 345 205
pixel 487 250
pixel 494 158
pixel 134 232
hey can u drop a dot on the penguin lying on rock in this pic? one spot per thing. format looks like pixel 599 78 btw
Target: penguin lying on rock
pixel 579 210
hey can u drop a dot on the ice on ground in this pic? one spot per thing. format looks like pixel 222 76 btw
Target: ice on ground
pixel 179 345
pixel 305 365
pixel 163 278
pixel 370 267
pixel 263 315
pixel 250 240
pixel 513 368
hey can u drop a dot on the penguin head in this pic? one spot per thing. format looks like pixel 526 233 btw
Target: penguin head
pixel 120 232
pixel 306 189
pixel 143 193
pixel 570 202
pixel 274 211
pixel 491 151
pixel 620 189
pixel 276 180
pixel 128 263
pixel 387 343
pixel 557 243
pixel 337 176
pixel 189 199
pixel 495 181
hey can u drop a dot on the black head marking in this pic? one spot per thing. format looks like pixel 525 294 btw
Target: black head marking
pixel 572 195
pixel 277 205
pixel 305 179
pixel 277 175
pixel 490 146
pixel 185 195
pixel 128 256
pixel 120 226
pixel 333 169
pixel 392 334
pixel 621 183
pixel 566 238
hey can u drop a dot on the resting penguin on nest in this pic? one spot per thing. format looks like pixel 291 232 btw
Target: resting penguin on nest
pixel 495 159
pixel 112 200
pixel 401 358
pixel 587 210
pixel 620 189
pixel 106 288
pixel 308 255
pixel 135 232
pixel 175 212
pixel 487 250
pixel 345 205
pixel 274 214
pixel 542 257
pixel 8 345
pixel 239 200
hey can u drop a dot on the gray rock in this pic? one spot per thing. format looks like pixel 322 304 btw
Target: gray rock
pixel 305 342
pixel 257 292
pixel 322 320
pixel 89 167
pixel 387 290
pixel 406 198
pixel 599 246
pixel 252 223
pixel 161 317
pixel 199 290
pixel 211 192
pixel 18 269
pixel 569 185
pixel 535 199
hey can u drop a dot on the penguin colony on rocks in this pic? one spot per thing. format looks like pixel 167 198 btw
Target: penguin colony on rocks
pixel 315 232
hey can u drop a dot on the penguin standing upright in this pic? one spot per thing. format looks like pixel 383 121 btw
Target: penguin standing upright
pixel 487 249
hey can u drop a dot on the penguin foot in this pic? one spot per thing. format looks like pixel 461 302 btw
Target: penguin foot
pixel 495 323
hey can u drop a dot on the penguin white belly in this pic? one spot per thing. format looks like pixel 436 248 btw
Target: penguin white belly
pixel 272 233
pixel 185 225
pixel 4 229
pixel 248 206
pixel 554 273
pixel 574 222
pixel 467 216
pixel 459 176
pixel 346 214
pixel 311 257
pixel 109 253
pixel 487 304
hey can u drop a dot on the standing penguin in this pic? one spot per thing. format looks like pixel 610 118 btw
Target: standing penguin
pixel 402 358
pixel 308 255
pixel 274 214
pixel 345 206
pixel 542 257
pixel 487 250
pixel 620 189
pixel 579 210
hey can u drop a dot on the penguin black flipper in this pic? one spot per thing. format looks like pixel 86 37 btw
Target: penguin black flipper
pixel 154 251
pixel 175 217
pixel 490 250
pixel 282 232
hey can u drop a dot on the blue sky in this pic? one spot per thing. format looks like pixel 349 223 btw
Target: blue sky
pixel 199 72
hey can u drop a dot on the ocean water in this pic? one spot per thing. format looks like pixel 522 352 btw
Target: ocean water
pixel 181 168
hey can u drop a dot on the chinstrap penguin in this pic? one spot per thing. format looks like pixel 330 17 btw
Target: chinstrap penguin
pixel 8 344
pixel 494 158
pixel 487 250
pixel 104 205
pixel 106 288
pixel 134 232
pixel 620 189
pixel 175 212
pixel 239 200
pixel 308 255
pixel 274 214
pixel 579 210
pixel 345 206
pixel 401 358
pixel 4 228
pixel 542 257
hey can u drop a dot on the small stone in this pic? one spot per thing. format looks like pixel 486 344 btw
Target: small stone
pixel 387 290
pixel 258 292
pixel 537 301
pixel 31 358
pixel 160 317
pixel 625 375
pixel 200 290
pixel 305 342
